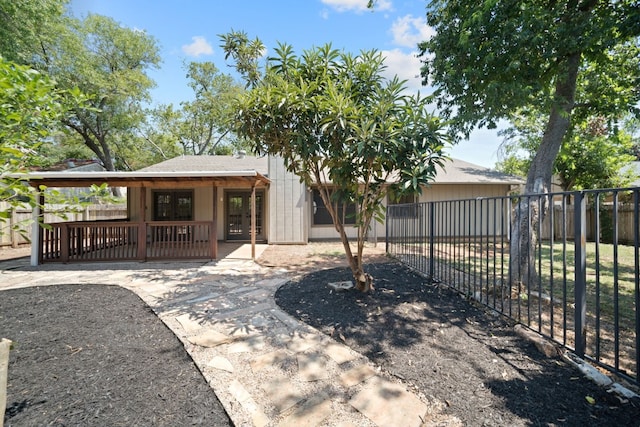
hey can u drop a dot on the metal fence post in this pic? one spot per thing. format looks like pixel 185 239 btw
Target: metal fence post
pixel 432 232
pixel 636 263
pixel 386 230
pixel 580 279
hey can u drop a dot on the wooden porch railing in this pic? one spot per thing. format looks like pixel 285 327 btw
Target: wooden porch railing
pixel 119 240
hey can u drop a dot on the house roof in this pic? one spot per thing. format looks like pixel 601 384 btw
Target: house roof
pixel 241 168
pixel 460 172
pixel 455 171
pixel 195 170
pixel 74 165
pixel 211 164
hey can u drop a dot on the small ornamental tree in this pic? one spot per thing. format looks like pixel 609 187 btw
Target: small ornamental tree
pixel 344 129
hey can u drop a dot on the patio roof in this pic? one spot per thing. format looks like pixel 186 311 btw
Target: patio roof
pixel 144 178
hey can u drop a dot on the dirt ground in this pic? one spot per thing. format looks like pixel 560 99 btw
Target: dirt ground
pixel 457 357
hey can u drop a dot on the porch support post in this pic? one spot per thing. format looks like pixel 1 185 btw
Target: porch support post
pixel 253 221
pixel 36 236
pixel 142 229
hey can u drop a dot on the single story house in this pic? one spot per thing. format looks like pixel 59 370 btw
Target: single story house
pixel 182 207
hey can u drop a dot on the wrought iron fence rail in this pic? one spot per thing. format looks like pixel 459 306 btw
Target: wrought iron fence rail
pixel 575 280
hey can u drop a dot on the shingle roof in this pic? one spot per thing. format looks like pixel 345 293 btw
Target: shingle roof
pixel 455 171
pixel 211 164
pixel 460 172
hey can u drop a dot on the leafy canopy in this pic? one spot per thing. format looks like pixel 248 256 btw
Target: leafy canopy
pixel 203 125
pixel 593 154
pixel 30 110
pixel 490 58
pixel 341 127
pixel 27 27
pixel 334 118
pixel 109 63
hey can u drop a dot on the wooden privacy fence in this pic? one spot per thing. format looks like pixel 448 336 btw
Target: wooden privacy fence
pixel 600 222
pixel 16 230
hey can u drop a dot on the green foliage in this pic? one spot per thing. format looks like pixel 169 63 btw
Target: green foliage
pixel 108 62
pixel 31 108
pixel 101 194
pixel 64 145
pixel 491 58
pixel 27 26
pixel 203 125
pixel 334 119
pixel 245 53
pixel 593 155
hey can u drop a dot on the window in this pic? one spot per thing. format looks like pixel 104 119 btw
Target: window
pixel 321 214
pixel 173 205
pixel 407 211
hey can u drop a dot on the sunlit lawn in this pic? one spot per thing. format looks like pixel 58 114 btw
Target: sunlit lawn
pixel 606 272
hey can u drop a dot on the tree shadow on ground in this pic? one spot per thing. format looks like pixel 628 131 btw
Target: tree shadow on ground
pixel 451 350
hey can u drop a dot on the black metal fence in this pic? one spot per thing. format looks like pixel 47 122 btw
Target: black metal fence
pixel 576 280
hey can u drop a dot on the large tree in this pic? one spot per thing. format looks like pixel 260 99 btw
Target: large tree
pixel 204 124
pixel 28 27
pixel 490 58
pixel 342 128
pixel 594 154
pixel 109 63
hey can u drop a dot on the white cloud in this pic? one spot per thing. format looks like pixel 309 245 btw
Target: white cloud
pixel 357 6
pixel 409 31
pixel 200 46
pixel 407 67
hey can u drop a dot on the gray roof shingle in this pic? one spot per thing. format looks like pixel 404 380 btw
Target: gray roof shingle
pixel 460 172
pixel 455 171
pixel 211 164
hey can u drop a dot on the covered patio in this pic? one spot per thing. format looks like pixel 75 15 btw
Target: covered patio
pixel 139 236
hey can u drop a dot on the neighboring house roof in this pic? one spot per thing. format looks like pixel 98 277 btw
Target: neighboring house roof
pixel 211 164
pixel 75 165
pixel 460 172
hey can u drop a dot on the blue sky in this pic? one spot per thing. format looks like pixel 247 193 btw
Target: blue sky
pixel 188 30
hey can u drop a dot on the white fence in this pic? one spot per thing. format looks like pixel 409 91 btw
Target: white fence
pixel 16 230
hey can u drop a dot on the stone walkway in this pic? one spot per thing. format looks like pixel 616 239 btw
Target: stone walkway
pixel 267 368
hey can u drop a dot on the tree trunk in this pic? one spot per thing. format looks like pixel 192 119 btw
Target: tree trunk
pixel 363 281
pixel 530 210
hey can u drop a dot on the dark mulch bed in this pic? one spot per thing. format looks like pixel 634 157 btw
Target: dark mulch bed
pixel 97 355
pixel 452 351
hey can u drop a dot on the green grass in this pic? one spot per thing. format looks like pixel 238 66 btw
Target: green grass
pixel 556 266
